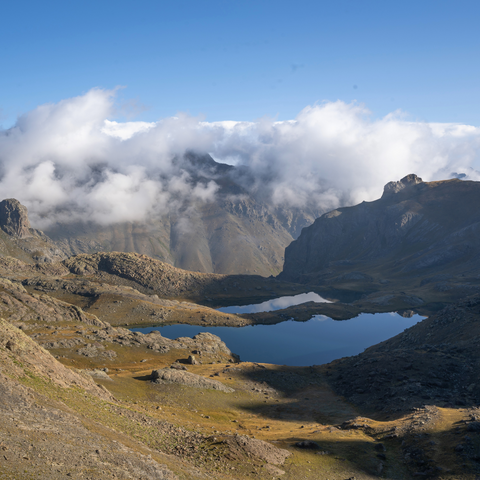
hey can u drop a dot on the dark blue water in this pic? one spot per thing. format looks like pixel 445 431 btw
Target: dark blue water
pixel 318 341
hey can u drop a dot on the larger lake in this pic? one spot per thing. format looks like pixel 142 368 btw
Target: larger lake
pixel 318 341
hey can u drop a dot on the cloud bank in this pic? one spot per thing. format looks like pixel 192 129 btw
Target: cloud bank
pixel 69 162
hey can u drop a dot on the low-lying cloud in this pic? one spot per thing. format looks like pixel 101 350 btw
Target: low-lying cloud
pixel 69 162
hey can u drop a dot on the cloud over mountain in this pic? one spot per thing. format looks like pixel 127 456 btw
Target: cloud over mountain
pixel 68 161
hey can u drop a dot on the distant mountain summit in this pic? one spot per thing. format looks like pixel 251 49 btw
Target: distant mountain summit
pixel 392 188
pixel 416 230
pixel 237 230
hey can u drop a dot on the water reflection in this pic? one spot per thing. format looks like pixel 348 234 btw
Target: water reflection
pixel 275 304
pixel 318 341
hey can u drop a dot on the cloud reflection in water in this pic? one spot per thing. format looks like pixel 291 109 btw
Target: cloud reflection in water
pixel 276 303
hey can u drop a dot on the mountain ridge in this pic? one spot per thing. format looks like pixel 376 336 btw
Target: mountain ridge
pixel 199 235
pixel 405 408
pixel 414 226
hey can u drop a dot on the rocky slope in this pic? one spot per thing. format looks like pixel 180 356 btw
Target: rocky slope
pixel 58 422
pixel 202 235
pixel 435 362
pixel 41 436
pixel 403 409
pixel 419 381
pixel 418 236
pixel 78 399
pixel 416 227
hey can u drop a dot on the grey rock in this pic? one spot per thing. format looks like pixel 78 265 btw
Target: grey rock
pixel 101 374
pixel 180 377
pixel 191 360
pixel 391 188
pixel 308 444
pixel 14 218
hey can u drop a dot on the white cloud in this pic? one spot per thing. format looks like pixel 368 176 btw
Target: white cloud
pixel 125 130
pixel 68 161
pixel 334 152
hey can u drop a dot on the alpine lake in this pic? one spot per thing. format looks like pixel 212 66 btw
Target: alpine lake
pixel 319 340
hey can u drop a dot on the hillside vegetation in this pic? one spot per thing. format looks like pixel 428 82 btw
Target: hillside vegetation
pixel 83 397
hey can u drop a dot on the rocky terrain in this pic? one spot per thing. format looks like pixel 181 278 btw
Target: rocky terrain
pixel 81 396
pixel 402 409
pixel 417 245
pixel 19 240
pixel 201 235
pixel 434 362
pixel 419 381
pixel 58 422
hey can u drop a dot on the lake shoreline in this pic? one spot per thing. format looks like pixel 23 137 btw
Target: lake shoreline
pixel 315 342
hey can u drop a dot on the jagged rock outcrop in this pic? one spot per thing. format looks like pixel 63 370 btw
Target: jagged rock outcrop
pixel 416 229
pixel 394 187
pixel 172 375
pixel 143 271
pixel 149 275
pixel 19 240
pixel 14 218
pixel 19 306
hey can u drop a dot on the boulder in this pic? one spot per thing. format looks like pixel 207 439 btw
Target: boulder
pixel 171 375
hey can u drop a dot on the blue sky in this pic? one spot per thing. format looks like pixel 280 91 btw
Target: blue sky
pixel 330 100
pixel 242 60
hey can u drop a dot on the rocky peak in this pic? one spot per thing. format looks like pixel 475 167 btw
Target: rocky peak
pixel 394 187
pixel 14 218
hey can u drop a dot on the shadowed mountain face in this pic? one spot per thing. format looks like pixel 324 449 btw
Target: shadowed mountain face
pixel 416 230
pixel 435 360
pixel 240 231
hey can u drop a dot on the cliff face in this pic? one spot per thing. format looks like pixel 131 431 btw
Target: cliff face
pixel 14 218
pixel 19 240
pixel 415 228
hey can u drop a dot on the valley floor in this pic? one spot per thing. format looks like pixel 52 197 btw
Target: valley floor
pixel 77 398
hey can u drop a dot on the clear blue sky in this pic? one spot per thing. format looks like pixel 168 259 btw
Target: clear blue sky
pixel 241 60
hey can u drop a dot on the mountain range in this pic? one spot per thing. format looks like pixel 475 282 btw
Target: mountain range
pixel 240 231
pixel 419 241
pixel 81 396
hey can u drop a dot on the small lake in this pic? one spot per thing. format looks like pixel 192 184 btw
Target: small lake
pixel 276 304
pixel 317 341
